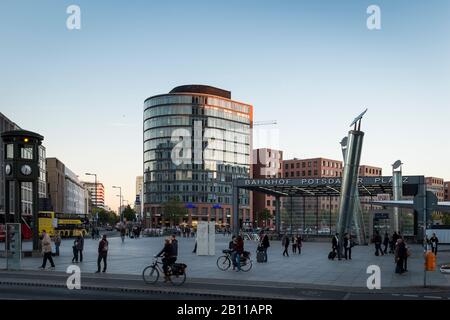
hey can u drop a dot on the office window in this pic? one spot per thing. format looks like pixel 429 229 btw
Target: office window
pixel 292 166
pixel 268 202
pixel 298 173
pixel 298 165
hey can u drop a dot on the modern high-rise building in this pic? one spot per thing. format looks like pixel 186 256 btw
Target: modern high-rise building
pixel 66 192
pixel 196 141
pixel 97 198
pixel 7 125
pixel 266 163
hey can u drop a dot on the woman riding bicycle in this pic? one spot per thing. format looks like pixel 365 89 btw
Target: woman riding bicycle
pixel 169 257
pixel 238 250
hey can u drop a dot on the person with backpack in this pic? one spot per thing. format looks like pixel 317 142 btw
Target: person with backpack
pixel 102 254
pixel 75 251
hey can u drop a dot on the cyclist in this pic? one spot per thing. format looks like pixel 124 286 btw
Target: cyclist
pixel 238 250
pixel 169 257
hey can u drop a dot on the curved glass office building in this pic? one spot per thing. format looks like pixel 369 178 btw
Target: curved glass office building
pixel 196 141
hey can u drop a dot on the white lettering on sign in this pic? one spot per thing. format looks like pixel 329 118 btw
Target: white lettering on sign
pixel 374 20
pixel 374 280
pixel 74 20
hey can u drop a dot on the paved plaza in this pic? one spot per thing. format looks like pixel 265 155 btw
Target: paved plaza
pixel 310 268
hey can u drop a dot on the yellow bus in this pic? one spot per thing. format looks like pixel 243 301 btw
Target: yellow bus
pixel 66 225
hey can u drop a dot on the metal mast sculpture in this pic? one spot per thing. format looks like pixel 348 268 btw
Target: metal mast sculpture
pixel 349 190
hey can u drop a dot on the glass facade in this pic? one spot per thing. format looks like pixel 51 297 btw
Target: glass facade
pixel 225 142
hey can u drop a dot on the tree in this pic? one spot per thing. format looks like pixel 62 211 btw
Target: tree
pixel 265 215
pixel 129 214
pixel 104 217
pixel 173 210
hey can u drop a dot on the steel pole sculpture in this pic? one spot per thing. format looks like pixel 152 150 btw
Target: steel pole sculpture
pixel 397 186
pixel 350 179
pixel 358 219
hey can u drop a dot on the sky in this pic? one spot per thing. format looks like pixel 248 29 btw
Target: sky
pixel 310 65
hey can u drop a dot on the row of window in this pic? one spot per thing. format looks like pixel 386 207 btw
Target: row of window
pixel 203 100
pixel 309 173
pixel 309 164
pixel 213 146
pixel 186 187
pixel 221 156
pixel 210 133
pixel 206 165
pixel 183 175
pixel 161 198
pixel 371 171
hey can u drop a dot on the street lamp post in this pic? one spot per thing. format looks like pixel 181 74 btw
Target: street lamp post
pixel 120 204
pixel 95 195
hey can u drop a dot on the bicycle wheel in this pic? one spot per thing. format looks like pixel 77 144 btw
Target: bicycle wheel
pixel 177 280
pixel 150 275
pixel 247 266
pixel 223 263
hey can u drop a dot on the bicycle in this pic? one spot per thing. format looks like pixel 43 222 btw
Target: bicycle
pixel 224 262
pixel 176 272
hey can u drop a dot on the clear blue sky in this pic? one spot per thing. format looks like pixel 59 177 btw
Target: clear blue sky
pixel 311 65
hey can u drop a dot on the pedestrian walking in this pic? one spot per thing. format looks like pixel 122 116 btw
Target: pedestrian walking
pixel 174 243
pixel 377 240
pixel 265 244
pixel 75 250
pixel 336 247
pixel 294 245
pixel 299 244
pixel 47 250
pixel 285 243
pixel 400 254
pixel 80 247
pixel 348 247
pixel 434 241
pixel 102 254
pixel 122 233
pixel 405 259
pixel 57 244
pixel 386 242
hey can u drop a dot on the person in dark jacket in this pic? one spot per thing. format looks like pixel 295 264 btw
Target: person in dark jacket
pixel 348 246
pixel 80 248
pixel 265 244
pixel 434 241
pixel 102 254
pixel 386 242
pixel 336 246
pixel 174 242
pixel 75 251
pixel 168 259
pixel 238 250
pixel 299 244
pixel 377 240
pixel 395 237
pixel 400 254
pixel 285 243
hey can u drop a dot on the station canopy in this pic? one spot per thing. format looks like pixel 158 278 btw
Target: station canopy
pixel 327 187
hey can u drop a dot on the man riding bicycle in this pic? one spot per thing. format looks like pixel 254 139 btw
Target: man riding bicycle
pixel 169 257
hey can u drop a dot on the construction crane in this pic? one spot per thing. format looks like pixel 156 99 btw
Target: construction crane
pixel 264 123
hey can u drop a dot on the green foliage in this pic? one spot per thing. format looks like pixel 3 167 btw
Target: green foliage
pixel 173 211
pixel 104 216
pixel 129 214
